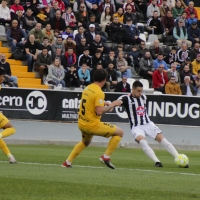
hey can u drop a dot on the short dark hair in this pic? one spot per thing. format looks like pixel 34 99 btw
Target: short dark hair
pixel 45 38
pixel 92 15
pixel 137 84
pixel 100 75
pixel 98 51
pixel 44 48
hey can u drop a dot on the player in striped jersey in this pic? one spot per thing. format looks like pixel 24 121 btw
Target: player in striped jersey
pixel 142 126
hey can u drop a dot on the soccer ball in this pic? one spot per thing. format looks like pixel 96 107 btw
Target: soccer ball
pixel 182 160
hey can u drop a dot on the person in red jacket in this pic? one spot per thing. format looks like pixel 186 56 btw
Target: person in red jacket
pixel 61 5
pixel 160 79
pixel 190 9
pixel 70 57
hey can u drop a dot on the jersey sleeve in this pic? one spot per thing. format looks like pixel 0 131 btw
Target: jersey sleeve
pixel 124 101
pixel 99 101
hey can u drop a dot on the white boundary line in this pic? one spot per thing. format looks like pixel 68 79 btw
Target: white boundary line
pixel 93 167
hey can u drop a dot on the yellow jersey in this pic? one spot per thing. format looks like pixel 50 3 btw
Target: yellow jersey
pixel 92 96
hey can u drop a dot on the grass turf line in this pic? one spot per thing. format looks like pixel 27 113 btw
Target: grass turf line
pixel 51 182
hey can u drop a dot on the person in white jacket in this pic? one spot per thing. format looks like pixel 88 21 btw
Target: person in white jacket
pixel 4 13
pixel 151 8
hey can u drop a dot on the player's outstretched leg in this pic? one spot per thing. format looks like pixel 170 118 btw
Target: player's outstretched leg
pixel 149 152
pixel 112 145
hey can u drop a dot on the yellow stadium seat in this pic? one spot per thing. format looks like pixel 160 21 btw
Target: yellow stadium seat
pixel 34 86
pixel 4 49
pixel 24 74
pixel 14 62
pixel 29 81
pixel 18 68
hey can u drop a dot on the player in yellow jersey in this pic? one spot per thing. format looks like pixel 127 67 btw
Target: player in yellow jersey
pixel 92 107
pixel 7 127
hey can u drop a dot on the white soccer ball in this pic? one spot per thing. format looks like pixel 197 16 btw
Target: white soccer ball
pixel 182 160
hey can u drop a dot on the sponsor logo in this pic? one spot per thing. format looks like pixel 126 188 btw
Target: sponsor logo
pixel 140 110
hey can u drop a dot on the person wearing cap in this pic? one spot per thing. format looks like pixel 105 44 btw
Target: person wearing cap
pixel 194 33
pixel 7 128
pixel 187 88
pixel 190 9
pixel 123 86
pixel 184 17
pixel 196 65
pixel 180 34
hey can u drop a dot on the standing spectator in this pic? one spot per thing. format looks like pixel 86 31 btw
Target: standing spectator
pixel 70 58
pixel 160 61
pixel 85 58
pixel 151 8
pixel 84 75
pixel 31 49
pixel 4 13
pixel 30 20
pixel 155 50
pixel 172 87
pixel 168 23
pixel 61 5
pixel 123 86
pixel 15 7
pixel 190 9
pixel 80 35
pixel 43 61
pixel 195 51
pixel 111 80
pixel 173 72
pixel 106 18
pixel 47 32
pixel 58 23
pixel 8 75
pixel 196 65
pixel 58 45
pixel 37 32
pixel 177 10
pixel 146 66
pixel 180 34
pixel 187 88
pixel 160 79
pixel 194 33
pixel 183 53
pixel 80 48
pixel 71 78
pixel 82 16
pixel 15 35
pixel 186 72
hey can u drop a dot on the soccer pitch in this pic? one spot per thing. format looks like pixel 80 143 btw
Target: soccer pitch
pixel 39 175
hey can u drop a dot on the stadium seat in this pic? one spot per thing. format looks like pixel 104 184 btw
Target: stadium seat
pixel 142 37
pixel 114 46
pixel 130 81
pixel 157 92
pixel 145 83
pixel 148 91
pixel 127 47
pixel 152 38
pixel 166 50
pixel 75 32
pixel 2 33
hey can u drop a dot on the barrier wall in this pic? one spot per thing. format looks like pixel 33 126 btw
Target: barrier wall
pixel 63 106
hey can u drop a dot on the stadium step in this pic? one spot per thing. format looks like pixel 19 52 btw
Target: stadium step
pixel 0 43
pixel 34 86
pixel 29 81
pixel 18 68
pixel 4 49
pixel 24 74
pixel 8 55
pixel 14 62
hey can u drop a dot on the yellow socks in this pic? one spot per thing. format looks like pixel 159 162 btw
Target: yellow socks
pixel 112 145
pixel 75 152
pixel 4 147
pixel 7 132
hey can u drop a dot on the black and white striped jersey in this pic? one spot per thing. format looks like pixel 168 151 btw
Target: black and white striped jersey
pixel 136 110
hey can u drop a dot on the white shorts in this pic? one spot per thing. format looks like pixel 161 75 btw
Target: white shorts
pixel 150 130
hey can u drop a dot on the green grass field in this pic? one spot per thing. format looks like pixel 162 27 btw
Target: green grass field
pixel 39 175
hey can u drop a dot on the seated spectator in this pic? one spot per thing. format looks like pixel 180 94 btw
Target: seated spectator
pixel 173 72
pixel 164 8
pixel 196 65
pixel 98 66
pixel 68 32
pixel 97 44
pixel 82 16
pixel 58 45
pixel 70 43
pixel 180 34
pixel 21 20
pixel 53 10
pixel 115 31
pixel 184 18
pixel 30 20
pixel 172 57
pixel 142 49
pixel 192 19
pixel 37 32
pixel 183 53
pixel 131 35
pixel 194 33
pixel 95 11
pixel 155 50
pixel 69 17
pixel 130 3
pixel 71 77
pixel 168 23
pixel 77 5
pixel 111 80
pixel 160 61
pixel 146 66
pixel 8 78
pixel 172 87
pixel 43 61
pixel 85 58
pixel 47 32
pixel 129 14
pixel 56 73
pixel 15 7
pixel 84 75
pixel 187 62
pixel 58 54
pixel 92 20
pixel 190 9
pixel 46 44
pixel 110 58
pixel 4 13
pixel 14 36
pixel 186 72
pixel 151 8
pixel 106 3
pixel 31 49
pixel 80 35
pixel 97 58
pixel 154 25
pixel 177 10
pixel 81 47
pixel 141 7
pixel 57 23
pixel 160 79
pixel 105 20
pixel 134 58
pixel 197 82
pixel 61 5
pixel 187 88
pixel 70 58
pixel 44 4
pixel 123 86
pixel 120 15
pixel 195 51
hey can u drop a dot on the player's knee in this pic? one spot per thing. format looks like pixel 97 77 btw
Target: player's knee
pixel 87 143
pixel 159 138
pixel 119 132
